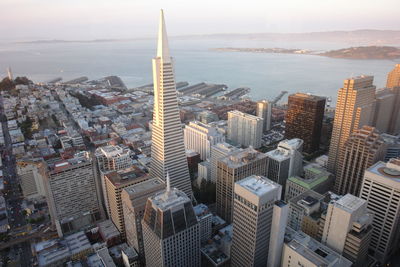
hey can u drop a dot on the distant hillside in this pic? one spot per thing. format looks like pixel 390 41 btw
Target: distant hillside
pixel 361 52
pixel 365 52
pixel 357 37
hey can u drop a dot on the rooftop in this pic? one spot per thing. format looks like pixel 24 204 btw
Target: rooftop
pixel 144 186
pixel 125 176
pixel 258 185
pixel 242 157
pixel 350 203
pixel 246 115
pixel 313 250
pixel 169 198
pixel 389 170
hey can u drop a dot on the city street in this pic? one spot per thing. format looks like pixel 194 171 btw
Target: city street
pixel 13 195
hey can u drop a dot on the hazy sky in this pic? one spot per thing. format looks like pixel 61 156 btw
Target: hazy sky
pixel 91 19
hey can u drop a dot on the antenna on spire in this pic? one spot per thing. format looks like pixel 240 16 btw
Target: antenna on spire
pixel 168 183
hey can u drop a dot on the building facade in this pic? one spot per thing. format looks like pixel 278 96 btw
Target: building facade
pixel 217 152
pixel 168 148
pixel 115 182
pixel 32 175
pixel 134 200
pixel 348 228
pixel 245 129
pixel 381 190
pixel 354 109
pixel 363 148
pixel 304 120
pixel 254 199
pixel 232 169
pixel 264 110
pixel 170 230
pixel 72 195
pixel 200 137
pixel 285 161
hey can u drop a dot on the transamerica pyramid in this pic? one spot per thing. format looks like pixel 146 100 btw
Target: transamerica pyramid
pixel 167 149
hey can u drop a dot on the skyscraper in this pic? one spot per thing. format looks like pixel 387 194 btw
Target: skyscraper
pixel 245 129
pixel 386 117
pixel 170 230
pixel 233 168
pixel 115 182
pixel 254 199
pixel 168 149
pixel 348 228
pixel 354 109
pixel 393 79
pixel 362 149
pixel 304 119
pixel 264 110
pixel 381 190
pixel 72 195
pixel 111 158
pixel 285 161
pixel 200 137
pixel 217 152
pixel 134 200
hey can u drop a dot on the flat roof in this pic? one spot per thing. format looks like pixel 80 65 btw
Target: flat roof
pixel 258 185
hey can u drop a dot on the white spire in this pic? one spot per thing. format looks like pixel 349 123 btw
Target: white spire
pixel 163 48
pixel 168 183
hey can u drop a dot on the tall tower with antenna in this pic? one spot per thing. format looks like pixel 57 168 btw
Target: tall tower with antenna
pixel 9 74
pixel 168 149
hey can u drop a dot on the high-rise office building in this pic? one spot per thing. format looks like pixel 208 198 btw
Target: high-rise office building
pixel 110 158
pixel 393 83
pixel 348 228
pixel 264 110
pixel 279 221
pixel 231 169
pixel 304 119
pixel 204 217
pixel 72 195
pixel 168 148
pixel 285 161
pixel 381 190
pixel 217 152
pixel 254 199
pixel 32 173
pixel 200 137
pixel 134 200
pixel 354 109
pixel 170 230
pixel 245 129
pixel 362 149
pixel 116 181
pixel 393 79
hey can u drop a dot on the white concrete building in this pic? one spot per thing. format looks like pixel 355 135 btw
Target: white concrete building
pixel 300 249
pixel 381 190
pixel 254 199
pixel 200 137
pixel 245 129
pixel 168 148
pixel 217 152
pixel 348 228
